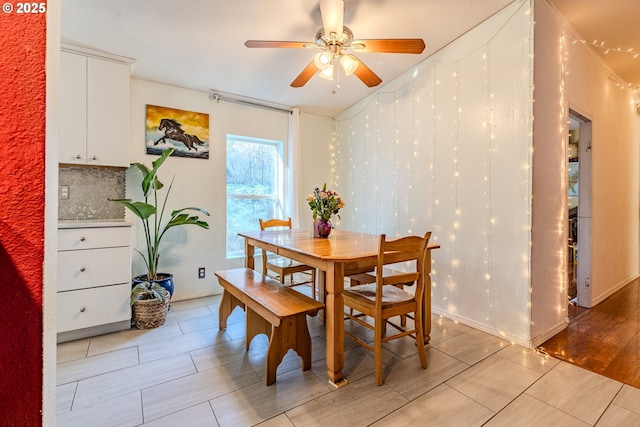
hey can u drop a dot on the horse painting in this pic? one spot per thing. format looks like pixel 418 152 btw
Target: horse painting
pixel 173 130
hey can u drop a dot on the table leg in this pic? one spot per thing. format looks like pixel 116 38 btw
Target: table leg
pixel 334 317
pixel 322 286
pixel 249 251
pixel 426 311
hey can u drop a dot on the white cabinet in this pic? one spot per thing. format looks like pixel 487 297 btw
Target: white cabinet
pixel 94 280
pixel 94 111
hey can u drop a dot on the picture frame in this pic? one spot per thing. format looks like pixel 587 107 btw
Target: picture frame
pixel 186 131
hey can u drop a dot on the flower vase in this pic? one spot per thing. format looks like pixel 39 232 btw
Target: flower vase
pixel 322 228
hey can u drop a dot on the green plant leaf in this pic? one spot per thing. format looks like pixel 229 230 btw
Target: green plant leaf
pixel 177 211
pixel 152 216
pixel 185 219
pixel 150 180
pixel 142 168
pixel 140 209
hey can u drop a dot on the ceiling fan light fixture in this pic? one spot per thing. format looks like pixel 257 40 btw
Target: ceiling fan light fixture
pixel 322 60
pixel 349 64
pixel 327 73
pixel 334 40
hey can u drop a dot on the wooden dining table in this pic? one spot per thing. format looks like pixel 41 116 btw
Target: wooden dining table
pixel 342 254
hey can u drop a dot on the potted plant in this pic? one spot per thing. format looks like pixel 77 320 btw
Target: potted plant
pixel 151 212
pixel 149 305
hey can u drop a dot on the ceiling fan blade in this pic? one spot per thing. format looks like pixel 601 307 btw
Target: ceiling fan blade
pixel 332 12
pixel 367 76
pixel 305 75
pixel 389 45
pixel 267 43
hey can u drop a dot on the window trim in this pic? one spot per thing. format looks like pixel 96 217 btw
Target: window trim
pixel 277 198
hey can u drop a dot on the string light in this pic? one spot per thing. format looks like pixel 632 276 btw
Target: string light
pixel 600 44
pixel 562 219
pixel 427 125
pixel 603 47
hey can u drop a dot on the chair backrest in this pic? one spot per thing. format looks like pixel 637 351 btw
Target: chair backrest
pixel 408 248
pixel 271 223
pixel 274 223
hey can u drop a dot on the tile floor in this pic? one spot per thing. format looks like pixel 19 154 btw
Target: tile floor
pixel 189 373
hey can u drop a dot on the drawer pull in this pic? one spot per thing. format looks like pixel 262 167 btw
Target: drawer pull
pixel 82 269
pixel 78 156
pixel 82 239
pixel 82 309
pixel 94 158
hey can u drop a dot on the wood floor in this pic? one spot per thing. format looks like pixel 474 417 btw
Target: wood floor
pixel 604 339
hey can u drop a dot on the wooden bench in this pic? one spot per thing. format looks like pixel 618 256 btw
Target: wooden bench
pixel 272 309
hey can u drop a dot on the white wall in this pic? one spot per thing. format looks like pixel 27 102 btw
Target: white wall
pixel 447 148
pixel 202 183
pixel 584 85
pixel 50 263
pixel 316 134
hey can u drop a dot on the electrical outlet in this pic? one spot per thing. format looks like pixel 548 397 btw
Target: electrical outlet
pixel 201 273
pixel 64 192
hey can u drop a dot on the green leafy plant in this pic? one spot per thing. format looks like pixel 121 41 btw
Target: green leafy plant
pixel 152 214
pixel 149 290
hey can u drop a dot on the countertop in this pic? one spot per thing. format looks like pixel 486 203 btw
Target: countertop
pixel 94 223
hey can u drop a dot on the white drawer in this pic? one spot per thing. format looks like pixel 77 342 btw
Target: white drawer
pixel 93 267
pixel 88 238
pixel 91 307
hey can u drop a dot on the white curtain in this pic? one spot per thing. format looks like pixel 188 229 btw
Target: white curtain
pixel 447 148
pixel 293 172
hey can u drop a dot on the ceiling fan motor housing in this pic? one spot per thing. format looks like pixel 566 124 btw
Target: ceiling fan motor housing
pixel 325 41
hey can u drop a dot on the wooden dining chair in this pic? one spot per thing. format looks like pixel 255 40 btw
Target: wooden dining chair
pixel 283 266
pixel 381 302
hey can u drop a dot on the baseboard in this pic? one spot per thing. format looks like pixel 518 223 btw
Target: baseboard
pixel 535 342
pixel 93 331
pixel 523 341
pixel 217 290
pixel 597 300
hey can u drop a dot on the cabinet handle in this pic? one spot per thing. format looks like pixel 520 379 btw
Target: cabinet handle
pixel 78 156
pixel 82 309
pixel 82 239
pixel 94 158
pixel 82 269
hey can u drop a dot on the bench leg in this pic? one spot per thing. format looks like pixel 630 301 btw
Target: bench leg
pixel 292 333
pixel 227 305
pixel 256 325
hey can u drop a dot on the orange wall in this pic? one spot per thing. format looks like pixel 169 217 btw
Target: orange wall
pixel 22 196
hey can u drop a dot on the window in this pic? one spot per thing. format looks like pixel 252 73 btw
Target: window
pixel 254 186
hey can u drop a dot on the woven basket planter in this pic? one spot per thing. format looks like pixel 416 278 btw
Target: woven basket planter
pixel 149 313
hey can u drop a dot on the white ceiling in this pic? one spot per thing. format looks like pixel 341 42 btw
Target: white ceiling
pixel 611 25
pixel 199 44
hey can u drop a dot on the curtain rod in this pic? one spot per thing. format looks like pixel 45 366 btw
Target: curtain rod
pixel 217 97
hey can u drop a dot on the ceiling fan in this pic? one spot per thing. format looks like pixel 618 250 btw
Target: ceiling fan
pixel 336 42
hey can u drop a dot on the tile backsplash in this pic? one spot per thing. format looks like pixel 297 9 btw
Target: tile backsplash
pixel 89 189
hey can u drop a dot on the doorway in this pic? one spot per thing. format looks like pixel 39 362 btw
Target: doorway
pixel 578 214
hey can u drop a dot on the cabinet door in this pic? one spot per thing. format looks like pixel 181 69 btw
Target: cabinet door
pixel 92 307
pixel 107 113
pixel 73 239
pixel 73 108
pixel 93 267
